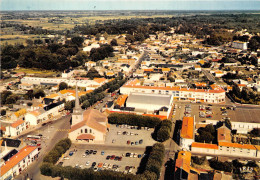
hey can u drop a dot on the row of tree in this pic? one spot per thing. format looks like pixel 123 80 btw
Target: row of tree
pixel 155 161
pixel 98 94
pixel 162 131
pixel 133 120
pixel 244 96
pixel 60 148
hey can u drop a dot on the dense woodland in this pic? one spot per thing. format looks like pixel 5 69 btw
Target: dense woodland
pixel 48 54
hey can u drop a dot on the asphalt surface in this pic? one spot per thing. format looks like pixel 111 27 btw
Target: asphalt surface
pixel 209 75
pixel 54 136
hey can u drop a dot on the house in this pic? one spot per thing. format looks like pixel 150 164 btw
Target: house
pixel 187 132
pixel 239 45
pixel 183 169
pixel 204 148
pixel 19 162
pixel 25 86
pixel 18 114
pixel 16 128
pixel 224 134
pixel 89 126
pixel 42 114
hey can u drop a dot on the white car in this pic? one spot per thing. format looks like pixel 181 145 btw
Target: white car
pixel 66 157
pixel 87 163
pixel 131 155
pixel 104 165
pixel 135 155
pixel 109 166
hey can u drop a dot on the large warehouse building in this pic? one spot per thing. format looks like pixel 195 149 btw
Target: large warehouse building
pixel 149 103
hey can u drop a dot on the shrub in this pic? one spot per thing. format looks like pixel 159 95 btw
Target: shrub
pixel 198 160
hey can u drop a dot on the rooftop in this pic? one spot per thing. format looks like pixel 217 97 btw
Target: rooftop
pixel 187 130
pixel 24 152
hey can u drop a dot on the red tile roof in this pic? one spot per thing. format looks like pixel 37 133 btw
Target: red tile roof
pixel 236 145
pixel 24 152
pixel 17 123
pixel 91 118
pixel 204 145
pixel 86 136
pixel 220 90
pixel 187 129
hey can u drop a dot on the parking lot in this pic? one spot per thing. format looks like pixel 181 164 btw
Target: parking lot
pixel 103 155
pixel 121 134
pixel 238 115
pixel 119 141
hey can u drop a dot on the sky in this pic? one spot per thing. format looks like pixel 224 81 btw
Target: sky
pixel 129 5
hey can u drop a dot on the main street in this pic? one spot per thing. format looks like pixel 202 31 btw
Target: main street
pixel 209 75
pixel 52 135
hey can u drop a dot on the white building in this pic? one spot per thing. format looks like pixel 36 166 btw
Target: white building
pixel 16 128
pixel 40 115
pixel 148 103
pixel 56 81
pixel 239 45
pixel 187 132
pixel 19 162
pixel 89 126
pixel 202 95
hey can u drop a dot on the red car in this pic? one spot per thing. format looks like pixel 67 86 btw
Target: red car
pixel 112 157
pixel 128 142
pixel 120 158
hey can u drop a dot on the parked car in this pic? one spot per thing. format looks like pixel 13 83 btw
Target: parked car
pixel 60 163
pixel 128 142
pixel 66 157
pixel 136 142
pixel 71 153
pixel 100 165
pixel 141 141
pixel 120 158
pixel 94 152
pixel 139 156
pixel 208 116
pixel 127 154
pixel 112 157
pixel 87 163
pixel 93 164
pixel 102 152
pixel 108 157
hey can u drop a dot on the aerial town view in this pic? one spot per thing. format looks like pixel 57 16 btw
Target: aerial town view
pixel 130 90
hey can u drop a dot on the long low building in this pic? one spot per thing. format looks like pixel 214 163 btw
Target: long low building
pixel 148 103
pixel 19 162
pixel 227 149
pixel 216 95
pixel 56 81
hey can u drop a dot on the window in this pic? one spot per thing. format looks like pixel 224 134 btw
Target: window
pixel 81 131
pixel 90 130
pixel 86 130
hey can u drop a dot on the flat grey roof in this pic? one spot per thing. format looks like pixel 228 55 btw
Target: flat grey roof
pixel 156 99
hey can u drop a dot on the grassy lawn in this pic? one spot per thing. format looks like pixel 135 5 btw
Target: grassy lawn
pixel 36 71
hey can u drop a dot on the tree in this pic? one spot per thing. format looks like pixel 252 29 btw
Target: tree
pixel 62 86
pixel 29 104
pixel 5 95
pixel 113 42
pixel 77 40
pixel 163 134
pixel 38 93
pixel 3 112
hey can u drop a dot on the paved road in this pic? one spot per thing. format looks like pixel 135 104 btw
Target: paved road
pixel 54 136
pixel 170 146
pixel 209 75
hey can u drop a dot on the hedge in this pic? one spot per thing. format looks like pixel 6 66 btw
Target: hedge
pixel 60 148
pixel 133 120
pixel 162 131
